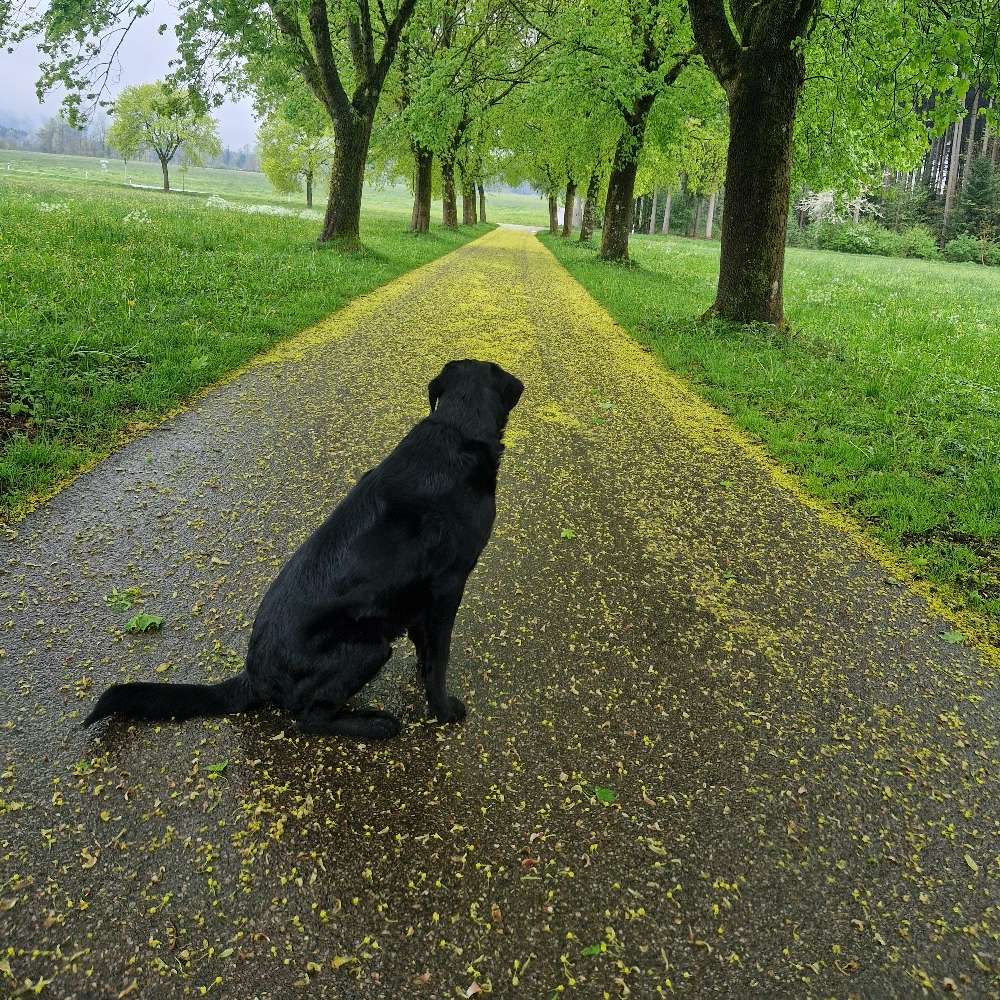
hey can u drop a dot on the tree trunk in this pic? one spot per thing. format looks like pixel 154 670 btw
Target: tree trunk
pixel 928 167
pixel 420 217
pixel 553 214
pixel 618 204
pixel 347 177
pixel 449 211
pixel 567 229
pixel 309 189
pixel 696 225
pixel 652 215
pixel 589 207
pixel 762 102
pixel 970 146
pixel 468 200
pixel 482 202
pixel 166 173
pixel 666 214
pixel 952 183
pixel 710 221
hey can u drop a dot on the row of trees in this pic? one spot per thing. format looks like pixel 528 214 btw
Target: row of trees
pixel 590 99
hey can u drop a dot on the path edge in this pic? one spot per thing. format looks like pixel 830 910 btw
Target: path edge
pixel 321 332
pixel 978 632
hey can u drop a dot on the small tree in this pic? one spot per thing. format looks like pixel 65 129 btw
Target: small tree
pixel 162 118
pixel 979 206
pixel 292 152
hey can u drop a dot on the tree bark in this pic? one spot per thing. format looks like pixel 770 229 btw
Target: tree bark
pixel 758 169
pixel 468 201
pixel 449 207
pixel 589 207
pixel 420 217
pixel 309 189
pixel 567 229
pixel 696 225
pixel 621 184
pixel 970 145
pixel 553 214
pixel 710 220
pixel 164 166
pixel 482 202
pixel 952 182
pixel 763 74
pixel 347 177
pixel 928 166
pixel 665 230
pixel 652 215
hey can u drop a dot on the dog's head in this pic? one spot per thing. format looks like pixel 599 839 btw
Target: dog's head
pixel 475 379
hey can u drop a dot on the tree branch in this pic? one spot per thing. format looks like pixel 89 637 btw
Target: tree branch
pixel 388 53
pixel 715 38
pixel 319 27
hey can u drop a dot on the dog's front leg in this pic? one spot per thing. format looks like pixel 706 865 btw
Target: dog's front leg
pixel 432 638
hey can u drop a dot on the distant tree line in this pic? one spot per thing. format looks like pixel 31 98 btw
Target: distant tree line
pixel 56 135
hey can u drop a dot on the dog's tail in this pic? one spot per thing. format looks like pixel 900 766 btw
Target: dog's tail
pixel 157 702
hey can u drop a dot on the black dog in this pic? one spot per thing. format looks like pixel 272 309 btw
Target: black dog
pixel 393 557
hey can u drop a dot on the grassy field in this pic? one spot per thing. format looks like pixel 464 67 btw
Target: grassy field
pixel 237 184
pixel 116 304
pixel 885 398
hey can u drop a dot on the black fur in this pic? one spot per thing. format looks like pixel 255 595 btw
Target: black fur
pixel 392 558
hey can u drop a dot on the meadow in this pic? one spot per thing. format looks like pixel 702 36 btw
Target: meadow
pixel 119 303
pixel 883 396
pixel 385 199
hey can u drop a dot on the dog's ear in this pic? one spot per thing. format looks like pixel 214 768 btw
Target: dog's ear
pixel 435 389
pixel 512 391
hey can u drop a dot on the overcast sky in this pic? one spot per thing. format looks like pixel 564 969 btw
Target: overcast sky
pixel 143 58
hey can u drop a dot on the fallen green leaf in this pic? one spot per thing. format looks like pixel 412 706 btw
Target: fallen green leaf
pixel 144 623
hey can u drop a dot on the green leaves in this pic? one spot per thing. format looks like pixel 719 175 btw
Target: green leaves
pixel 163 118
pixel 567 533
pixel 955 638
pixel 605 795
pixel 144 623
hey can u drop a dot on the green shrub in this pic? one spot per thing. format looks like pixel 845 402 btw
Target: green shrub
pixel 964 248
pixel 919 241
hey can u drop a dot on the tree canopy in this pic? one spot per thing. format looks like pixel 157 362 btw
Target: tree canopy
pixel 164 119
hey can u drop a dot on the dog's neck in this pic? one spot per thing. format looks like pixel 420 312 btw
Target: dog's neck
pixel 476 418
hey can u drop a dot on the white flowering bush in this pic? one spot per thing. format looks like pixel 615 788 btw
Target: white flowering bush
pixel 52 206
pixel 137 217
pixel 825 206
pixel 289 213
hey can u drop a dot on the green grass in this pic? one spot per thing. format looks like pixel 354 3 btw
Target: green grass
pixel 884 398
pixel 116 304
pixel 244 185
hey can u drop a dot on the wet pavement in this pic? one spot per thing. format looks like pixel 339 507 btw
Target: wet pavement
pixel 714 747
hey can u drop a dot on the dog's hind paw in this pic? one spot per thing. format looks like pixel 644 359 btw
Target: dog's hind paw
pixel 453 710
